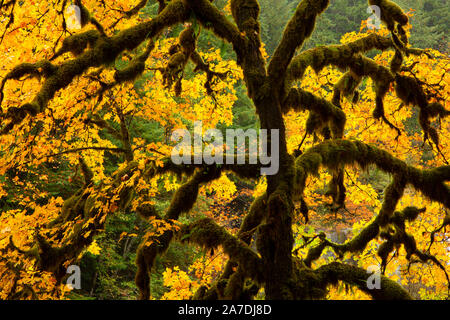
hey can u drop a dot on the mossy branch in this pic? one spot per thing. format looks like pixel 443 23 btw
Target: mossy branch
pixel 298 29
pixel 249 225
pixel 328 114
pixel 211 18
pixel 182 202
pixel 136 66
pixel 103 52
pixel 343 56
pixel 337 153
pixel 359 242
pixel 206 233
pixel 355 276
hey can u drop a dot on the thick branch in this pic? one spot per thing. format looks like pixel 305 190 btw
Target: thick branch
pixel 297 30
pixel 211 18
pixel 389 289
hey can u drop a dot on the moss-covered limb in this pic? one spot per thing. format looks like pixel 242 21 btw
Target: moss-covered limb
pixel 360 67
pixel 42 68
pixel 179 56
pixel 182 202
pixel 78 43
pixel 239 287
pixel 300 100
pixel 104 51
pixel 346 87
pixel 206 233
pixel 349 56
pixel 334 272
pixel 411 91
pixel 337 153
pixel 86 171
pixel 396 62
pixel 342 56
pixel 356 244
pixel 314 253
pixel 136 66
pixel 211 18
pixel 298 29
pixel 359 242
pixel 395 19
pixel 246 15
pixel 253 219
pixel 246 44
pixel 333 154
pixel 306 284
pixel 392 195
pixel 391 13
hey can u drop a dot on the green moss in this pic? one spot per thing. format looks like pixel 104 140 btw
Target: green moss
pixel 355 276
pixel 253 219
pixel 243 11
pixel 391 13
pixel 77 43
pixel 146 210
pixel 306 283
pixel 396 62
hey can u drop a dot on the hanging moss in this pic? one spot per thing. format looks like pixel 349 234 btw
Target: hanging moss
pixel 337 153
pixel 182 201
pixel 253 219
pixel 322 112
pixel 206 233
pixel 347 85
pixel 86 171
pixel 410 92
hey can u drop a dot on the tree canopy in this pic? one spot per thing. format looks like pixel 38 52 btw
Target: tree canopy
pixel 92 90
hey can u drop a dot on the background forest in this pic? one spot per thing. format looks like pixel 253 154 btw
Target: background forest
pixel 109 264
